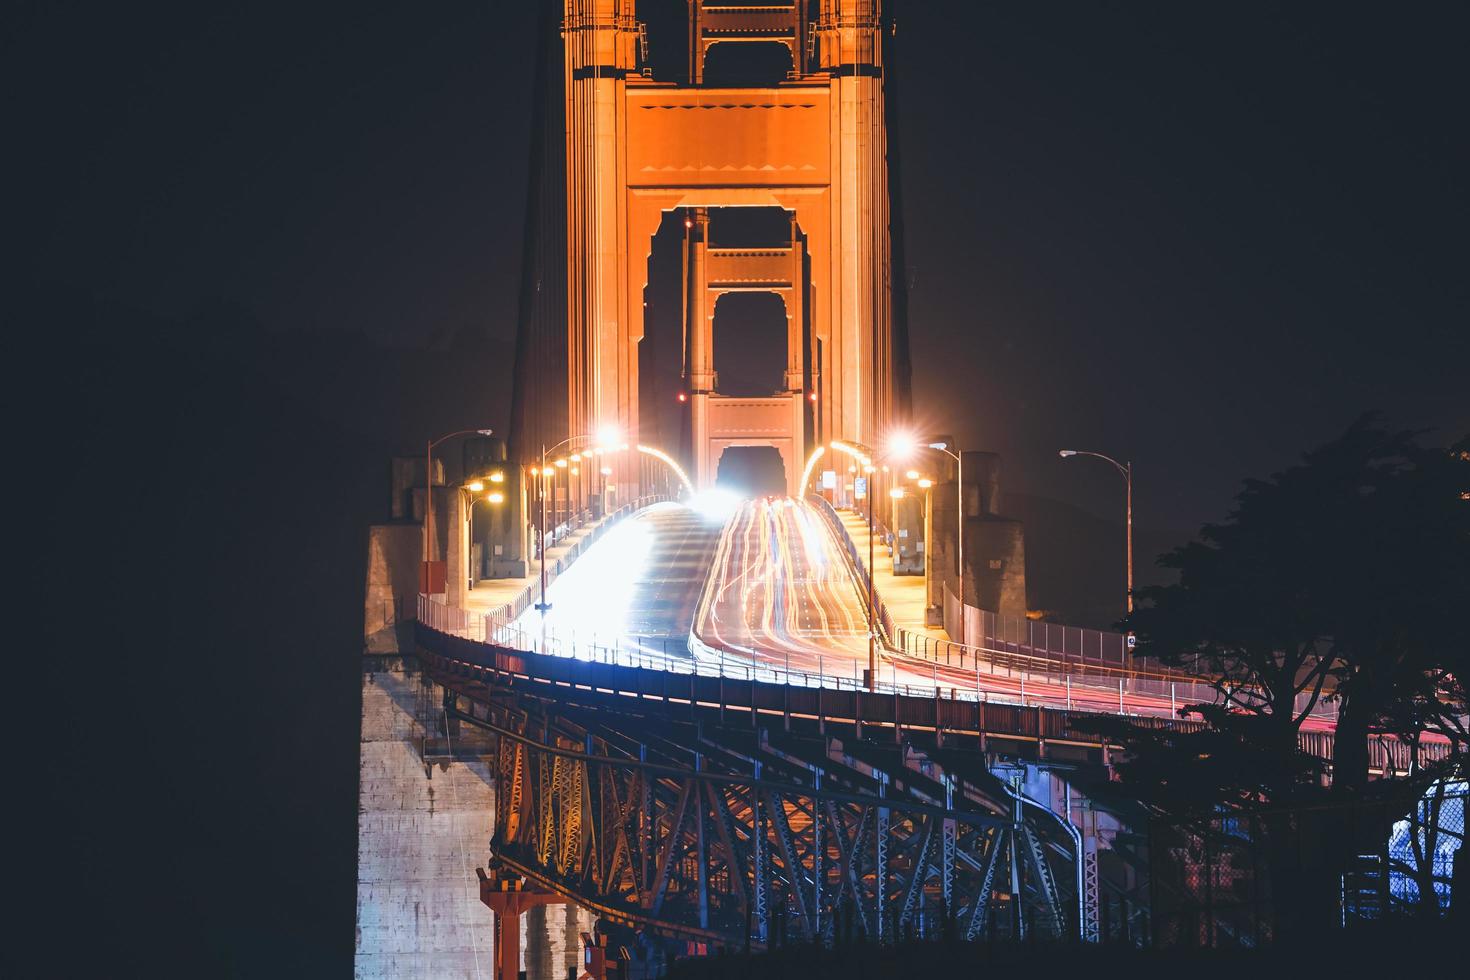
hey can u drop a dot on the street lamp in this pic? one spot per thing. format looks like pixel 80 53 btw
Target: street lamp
pixel 959 469
pixel 925 484
pixel 493 499
pixel 1126 468
pixel 606 437
pixel 426 566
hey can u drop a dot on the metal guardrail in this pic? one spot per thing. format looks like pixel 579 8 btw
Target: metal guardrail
pixel 886 627
pixel 640 668
pixel 1040 652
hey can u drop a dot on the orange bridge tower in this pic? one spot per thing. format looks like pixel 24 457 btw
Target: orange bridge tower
pixel 812 144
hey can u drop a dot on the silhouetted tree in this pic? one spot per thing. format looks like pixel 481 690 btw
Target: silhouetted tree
pixel 1342 579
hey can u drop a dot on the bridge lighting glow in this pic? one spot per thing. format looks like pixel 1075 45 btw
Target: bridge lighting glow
pixel 868 468
pixel 806 475
pixel 668 461
pixel 925 484
pixel 716 504
pixel 609 435
pixel 812 396
pixel 495 497
pixel 497 477
pixel 575 457
pixel 576 472
pixel 1064 453
pixel 593 596
pixel 912 474
pixel 902 444
pixel 938 445
pixel 476 486
pixel 683 397
pixel 607 471
pixel 561 464
pixel 896 493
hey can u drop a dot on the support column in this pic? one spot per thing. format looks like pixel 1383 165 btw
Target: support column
pixel 601 42
pixel 700 322
pixel 505 895
pixel 457 549
pixel 859 389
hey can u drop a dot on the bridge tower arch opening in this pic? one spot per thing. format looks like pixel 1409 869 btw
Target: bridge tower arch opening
pixel 752 470
pixel 735 411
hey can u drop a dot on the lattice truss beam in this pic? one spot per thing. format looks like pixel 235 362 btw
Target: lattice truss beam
pixel 729 835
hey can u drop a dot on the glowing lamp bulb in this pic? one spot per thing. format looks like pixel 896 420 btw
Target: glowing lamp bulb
pixel 902 444
pixel 896 493
pixel 912 474
pixel 683 397
pixel 496 497
pixel 925 484
pixel 476 486
pixel 497 477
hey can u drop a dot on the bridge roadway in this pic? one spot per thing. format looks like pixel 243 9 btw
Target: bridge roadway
pixel 783 594
pixel 708 807
pixel 638 587
pixel 772 588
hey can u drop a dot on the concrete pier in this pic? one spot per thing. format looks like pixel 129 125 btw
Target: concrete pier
pixel 422 828
pixel 426 808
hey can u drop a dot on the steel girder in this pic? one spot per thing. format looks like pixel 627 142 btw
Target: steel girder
pixel 682 831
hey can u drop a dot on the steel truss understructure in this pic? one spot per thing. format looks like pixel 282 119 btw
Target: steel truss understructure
pixel 735 836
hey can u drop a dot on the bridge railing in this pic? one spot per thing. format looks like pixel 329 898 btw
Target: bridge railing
pixel 887 629
pixel 1026 651
pixel 593 665
pixel 692 656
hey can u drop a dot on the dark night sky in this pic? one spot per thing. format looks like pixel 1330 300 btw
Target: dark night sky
pixel 1203 236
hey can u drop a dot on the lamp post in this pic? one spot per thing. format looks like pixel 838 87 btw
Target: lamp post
pixel 1125 468
pixel 925 484
pixel 872 595
pixel 493 499
pixel 959 469
pixel 604 436
pixel 425 567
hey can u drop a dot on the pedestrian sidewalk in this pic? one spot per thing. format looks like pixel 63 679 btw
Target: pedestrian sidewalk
pixel 491 593
pixel 902 594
